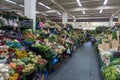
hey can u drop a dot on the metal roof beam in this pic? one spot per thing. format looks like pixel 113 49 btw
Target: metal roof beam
pixel 114 14
pixel 68 3
pixel 53 1
pixel 97 8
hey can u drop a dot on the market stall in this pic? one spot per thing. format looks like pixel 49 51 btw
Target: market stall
pixel 31 55
pixel 108 45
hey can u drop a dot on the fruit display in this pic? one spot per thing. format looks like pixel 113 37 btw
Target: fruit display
pixel 28 33
pixel 4 72
pixel 14 76
pixel 28 68
pixel 21 54
pixel 37 59
pixel 19 68
pixel 29 36
pixel 41 62
pixel 12 65
pixel 23 61
pixel 33 58
pixel 18 62
pixel 58 48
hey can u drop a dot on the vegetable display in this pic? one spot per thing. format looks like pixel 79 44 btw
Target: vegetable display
pixel 20 54
pixel 109 55
pixel 24 53
pixel 4 72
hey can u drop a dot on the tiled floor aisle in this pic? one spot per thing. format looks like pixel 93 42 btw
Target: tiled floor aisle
pixel 81 66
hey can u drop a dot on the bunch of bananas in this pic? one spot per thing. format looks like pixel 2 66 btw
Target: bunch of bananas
pixel 21 54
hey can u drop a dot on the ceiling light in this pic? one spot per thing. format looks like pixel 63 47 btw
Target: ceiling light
pixel 21 5
pixel 83 12
pixel 44 5
pixel 105 2
pixel 11 1
pixel 79 3
pixel 41 4
pixel 44 14
pixel 48 7
pixel 73 16
pixel 101 11
pixel 37 12
pixel 59 13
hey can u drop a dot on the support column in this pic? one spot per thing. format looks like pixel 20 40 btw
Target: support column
pixel 30 11
pixel 65 18
pixel 119 18
pixel 74 21
pixel 111 22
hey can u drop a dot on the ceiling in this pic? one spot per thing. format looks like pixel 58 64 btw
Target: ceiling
pixel 90 7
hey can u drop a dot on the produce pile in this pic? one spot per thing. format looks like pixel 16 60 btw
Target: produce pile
pixel 108 46
pixel 25 64
pixel 30 52
pixel 29 36
pixel 112 71
pixel 4 72
pixel 16 61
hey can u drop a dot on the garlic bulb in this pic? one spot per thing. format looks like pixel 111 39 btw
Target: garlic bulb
pixel 4 72
pixel 1 78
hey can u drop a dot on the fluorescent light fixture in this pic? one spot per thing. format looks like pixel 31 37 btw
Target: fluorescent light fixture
pixel 59 13
pixel 47 7
pixel 21 5
pixel 37 12
pixel 73 16
pixel 44 14
pixel 11 1
pixel 101 11
pixel 44 5
pixel 83 12
pixel 105 2
pixel 79 3
pixel 41 4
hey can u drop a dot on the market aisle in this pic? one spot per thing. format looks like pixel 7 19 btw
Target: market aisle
pixel 81 66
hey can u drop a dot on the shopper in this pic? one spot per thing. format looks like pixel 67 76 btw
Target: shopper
pixel 88 36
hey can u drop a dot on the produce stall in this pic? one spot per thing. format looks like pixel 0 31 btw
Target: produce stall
pixel 108 45
pixel 26 55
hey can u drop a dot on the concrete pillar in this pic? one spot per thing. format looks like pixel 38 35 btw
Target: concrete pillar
pixel 74 21
pixel 30 11
pixel 119 18
pixel 65 18
pixel 111 22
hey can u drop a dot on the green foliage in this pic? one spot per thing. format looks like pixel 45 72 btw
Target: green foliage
pixel 109 73
pixel 115 62
pixel 114 35
pixel 52 38
pixel 41 47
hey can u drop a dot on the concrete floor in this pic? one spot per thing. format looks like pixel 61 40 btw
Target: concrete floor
pixel 83 65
